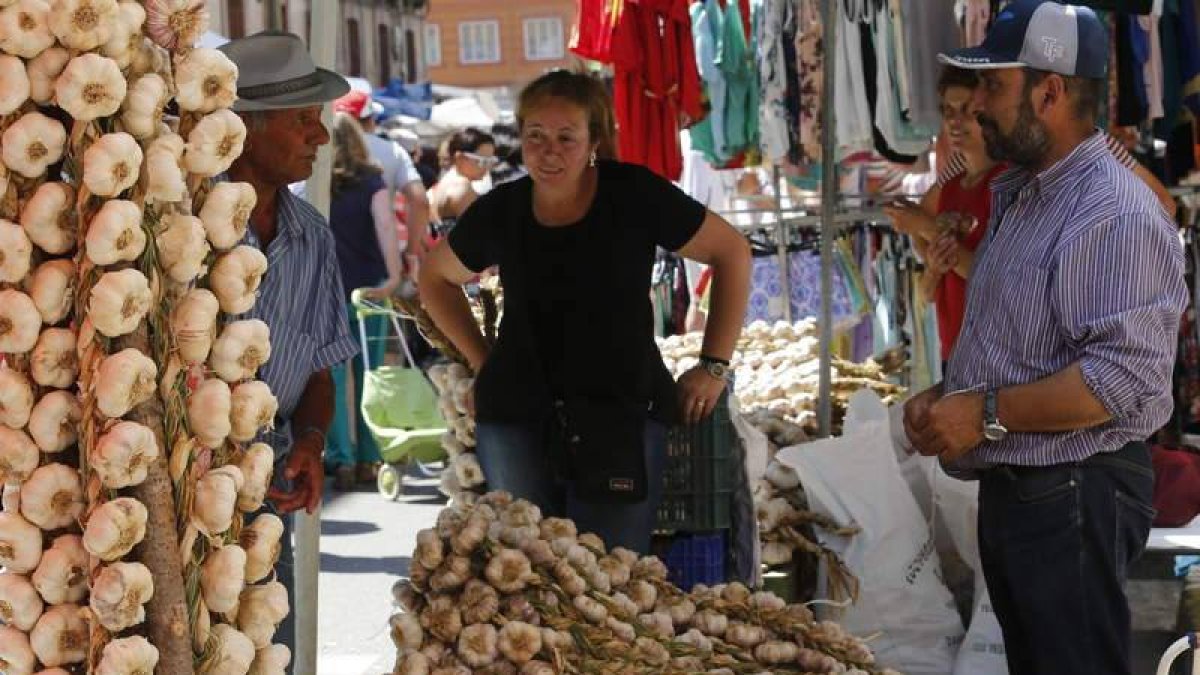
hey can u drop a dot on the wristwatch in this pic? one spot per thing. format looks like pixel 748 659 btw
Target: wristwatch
pixel 993 430
pixel 718 368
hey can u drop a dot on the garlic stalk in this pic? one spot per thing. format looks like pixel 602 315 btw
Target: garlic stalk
pixel 16 656
pixel 115 528
pixel 216 499
pixel 182 247
pixel 254 408
pixel 119 302
pixel 235 652
pixel 128 656
pixel 119 594
pixel 194 323
pixel 31 144
pixel 123 455
pixel 226 213
pixel 91 86
pixel 60 637
pixel 54 362
pixel 54 421
pixel 240 350
pixel 214 143
pixel 16 83
pixel 25 28
pixel 257 465
pixel 16 400
pixel 52 498
pixel 222 578
pixel 208 412
pixel 206 79
pixel 62 574
pixel 52 289
pixel 15 252
pixel 163 172
pixel 115 233
pixel 112 164
pixel 20 324
pixel 47 218
pixel 20 604
pixel 261 610
pixel 261 541
pixel 235 278
pixel 43 70
pixel 124 381
pixel 272 660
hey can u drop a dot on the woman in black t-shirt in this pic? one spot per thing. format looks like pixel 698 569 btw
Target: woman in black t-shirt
pixel 573 400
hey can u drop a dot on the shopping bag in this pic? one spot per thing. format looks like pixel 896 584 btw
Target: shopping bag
pixel 855 479
pixel 400 408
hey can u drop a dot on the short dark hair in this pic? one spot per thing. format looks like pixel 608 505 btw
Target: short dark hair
pixel 953 76
pixel 1086 93
pixel 469 140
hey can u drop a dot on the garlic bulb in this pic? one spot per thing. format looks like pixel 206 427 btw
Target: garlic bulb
pixel 477 645
pixel 47 218
pixel 119 594
pixel 261 541
pixel 111 164
pixel 16 400
pixel 126 36
pixel 206 80
pixel 52 498
pixel 60 637
pixel 16 82
pixel 52 289
pixel 115 528
pixel 91 86
pixel 15 252
pixel 182 247
pixel 214 143
pixel 123 455
pixel 194 323
pixel 468 471
pixel 257 465
pixel 54 362
pixel 406 632
pixel 509 571
pixel 235 652
pixel 20 543
pixel 240 350
pixel 83 24
pixel 163 172
pixel 271 660
pixel 119 302
pixel 222 578
pixel 43 70
pixel 144 104
pixel 235 278
pixel 20 604
pixel 226 213
pixel 25 28
pixel 261 610
pixel 62 574
pixel 16 656
pixel 254 408
pixel 216 498
pixel 54 421
pixel 128 656
pixel 208 412
pixel 19 455
pixel 124 381
pixel 115 234
pixel 176 23
pixel 520 642
pixel 32 144
pixel 20 323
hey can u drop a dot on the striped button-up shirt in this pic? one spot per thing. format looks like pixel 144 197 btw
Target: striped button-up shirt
pixel 1080 264
pixel 301 300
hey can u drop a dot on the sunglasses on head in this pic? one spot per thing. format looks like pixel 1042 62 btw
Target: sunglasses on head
pixel 484 161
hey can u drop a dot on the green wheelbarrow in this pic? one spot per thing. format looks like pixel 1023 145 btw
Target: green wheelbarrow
pixel 399 404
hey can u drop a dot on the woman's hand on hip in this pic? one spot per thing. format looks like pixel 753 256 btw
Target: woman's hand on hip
pixel 699 393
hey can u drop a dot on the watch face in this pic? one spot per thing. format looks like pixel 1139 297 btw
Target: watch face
pixel 717 370
pixel 995 433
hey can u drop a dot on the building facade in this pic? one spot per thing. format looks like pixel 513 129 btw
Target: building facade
pixel 377 39
pixel 496 43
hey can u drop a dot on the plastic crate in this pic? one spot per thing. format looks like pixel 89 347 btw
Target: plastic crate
pixel 698 477
pixel 697 559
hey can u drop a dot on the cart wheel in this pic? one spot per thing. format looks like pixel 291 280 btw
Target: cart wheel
pixel 390 481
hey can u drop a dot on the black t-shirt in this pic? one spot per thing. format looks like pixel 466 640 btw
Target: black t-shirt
pixel 576 296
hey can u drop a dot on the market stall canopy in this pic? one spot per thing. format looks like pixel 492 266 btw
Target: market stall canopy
pixel 460 113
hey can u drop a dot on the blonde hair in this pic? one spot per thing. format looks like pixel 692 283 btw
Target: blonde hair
pixel 351 160
pixel 579 89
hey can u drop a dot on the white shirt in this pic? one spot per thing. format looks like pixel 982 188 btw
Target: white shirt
pixel 398 169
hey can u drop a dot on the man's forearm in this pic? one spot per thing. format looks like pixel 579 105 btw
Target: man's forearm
pixel 315 410
pixel 1059 403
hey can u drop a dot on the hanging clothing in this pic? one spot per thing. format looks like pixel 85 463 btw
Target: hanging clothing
pixel 1189 53
pixel 854 128
pixel 1131 106
pixel 735 58
pixel 931 29
pixel 773 111
pixel 1153 70
pixel 591 37
pixel 708 136
pixel 976 17
pixel 900 47
pixel 810 65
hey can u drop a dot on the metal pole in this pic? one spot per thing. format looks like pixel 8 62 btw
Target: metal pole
pixel 785 270
pixel 829 18
pixel 308 527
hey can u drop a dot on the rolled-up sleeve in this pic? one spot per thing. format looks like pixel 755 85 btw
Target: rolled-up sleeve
pixel 1119 293
pixel 331 332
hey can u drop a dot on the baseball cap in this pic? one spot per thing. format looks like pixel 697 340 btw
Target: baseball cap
pixel 358 104
pixel 1049 36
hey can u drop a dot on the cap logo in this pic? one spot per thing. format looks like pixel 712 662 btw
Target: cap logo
pixel 1053 49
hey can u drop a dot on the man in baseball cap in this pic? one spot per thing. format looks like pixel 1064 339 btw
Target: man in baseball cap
pixel 1064 365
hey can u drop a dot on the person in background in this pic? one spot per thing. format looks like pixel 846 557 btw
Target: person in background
pixel 573 400
pixel 473 154
pixel 301 298
pixel 425 159
pixel 1064 366
pixel 368 254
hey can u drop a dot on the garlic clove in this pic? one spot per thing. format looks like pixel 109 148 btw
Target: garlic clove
pixel 253 409
pixel 119 301
pixel 47 218
pixel 124 381
pixel 115 528
pixel 194 323
pixel 209 407
pixel 52 498
pixel 20 604
pixel 16 82
pixel 15 252
pixel 16 656
pixel 182 247
pixel 62 574
pixel 115 233
pixel 163 172
pixel 216 499
pixel 54 421
pixel 206 80
pixel 235 278
pixel 16 402
pixel 31 144
pixel 271 660
pixel 25 28
pixel 54 362
pixel 234 654
pixel 20 543
pixel 226 213
pixel 240 350
pixel 119 594
pixel 261 540
pixel 60 637
pixel 52 290
pixel 20 323
pixel 113 162
pixel 123 455
pixel 223 578
pixel 127 656
pixel 257 465
pixel 43 70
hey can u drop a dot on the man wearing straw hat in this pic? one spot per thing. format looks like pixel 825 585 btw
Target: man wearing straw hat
pixel 280 98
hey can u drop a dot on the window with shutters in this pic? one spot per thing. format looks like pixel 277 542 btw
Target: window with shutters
pixel 385 54
pixel 410 55
pixel 352 42
pixel 544 39
pixel 237 18
pixel 479 42
pixel 433 45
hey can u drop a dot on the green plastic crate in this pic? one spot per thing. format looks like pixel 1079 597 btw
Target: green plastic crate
pixel 698 478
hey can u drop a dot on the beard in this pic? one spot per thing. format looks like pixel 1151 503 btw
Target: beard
pixel 1025 146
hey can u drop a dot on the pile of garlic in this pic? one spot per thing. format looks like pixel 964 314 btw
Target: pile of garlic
pixel 463 477
pixel 99 252
pixel 495 588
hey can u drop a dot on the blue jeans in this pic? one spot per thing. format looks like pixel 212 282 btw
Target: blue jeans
pixel 1056 544
pixel 340 450
pixel 515 458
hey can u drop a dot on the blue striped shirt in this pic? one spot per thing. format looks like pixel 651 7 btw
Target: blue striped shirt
pixel 1080 264
pixel 301 300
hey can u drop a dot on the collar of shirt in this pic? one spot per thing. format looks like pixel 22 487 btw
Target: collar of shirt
pixel 1018 181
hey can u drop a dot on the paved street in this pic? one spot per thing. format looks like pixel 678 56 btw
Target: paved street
pixel 365 544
